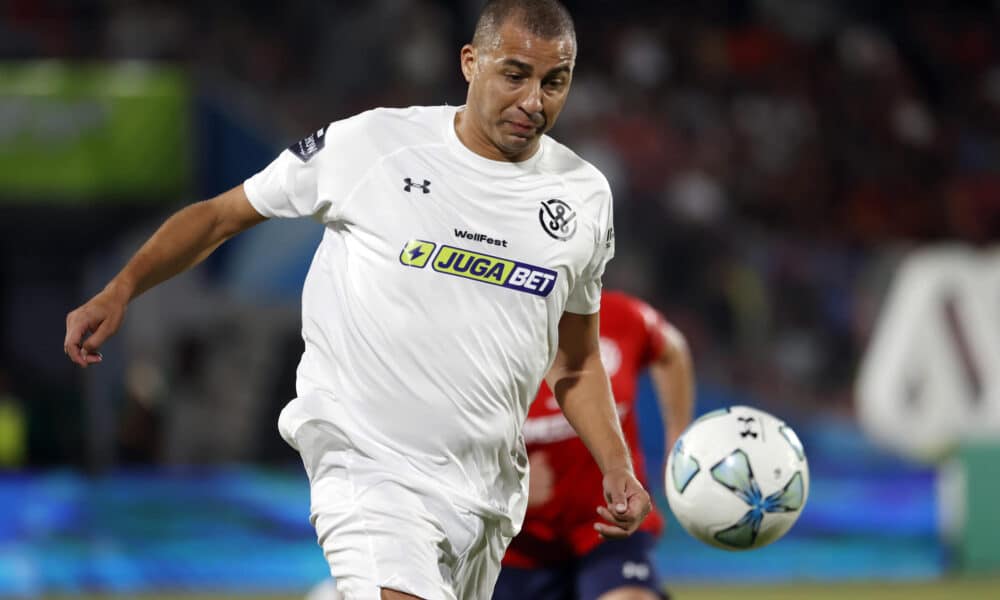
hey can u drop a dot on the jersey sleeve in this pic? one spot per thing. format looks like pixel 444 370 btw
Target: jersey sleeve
pixel 308 179
pixel 585 297
pixel 653 326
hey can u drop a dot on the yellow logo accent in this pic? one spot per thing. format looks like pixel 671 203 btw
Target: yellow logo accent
pixel 472 265
pixel 416 253
pixel 511 274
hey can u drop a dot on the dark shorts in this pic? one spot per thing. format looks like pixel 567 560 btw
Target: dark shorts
pixel 613 564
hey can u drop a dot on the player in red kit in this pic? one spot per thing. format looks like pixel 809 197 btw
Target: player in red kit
pixel 558 555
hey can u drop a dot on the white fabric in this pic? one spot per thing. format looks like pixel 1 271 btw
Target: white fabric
pixel 324 590
pixel 429 372
pixel 377 531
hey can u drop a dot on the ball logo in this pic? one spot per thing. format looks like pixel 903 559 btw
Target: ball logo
pixel 747 424
pixel 558 219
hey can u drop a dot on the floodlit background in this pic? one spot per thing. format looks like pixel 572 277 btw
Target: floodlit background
pixel 809 189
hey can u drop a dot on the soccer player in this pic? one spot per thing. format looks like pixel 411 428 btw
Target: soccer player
pixel 557 555
pixel 461 263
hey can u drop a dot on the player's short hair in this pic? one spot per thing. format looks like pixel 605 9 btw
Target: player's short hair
pixel 547 19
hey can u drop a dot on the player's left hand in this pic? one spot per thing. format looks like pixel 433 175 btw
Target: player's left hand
pixel 628 504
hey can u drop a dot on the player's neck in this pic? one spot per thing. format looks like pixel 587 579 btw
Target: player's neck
pixel 477 141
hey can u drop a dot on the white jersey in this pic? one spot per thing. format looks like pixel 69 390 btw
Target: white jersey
pixel 430 312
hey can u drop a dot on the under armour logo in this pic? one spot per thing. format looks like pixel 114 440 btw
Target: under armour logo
pixel 747 427
pixel 425 186
pixel 633 570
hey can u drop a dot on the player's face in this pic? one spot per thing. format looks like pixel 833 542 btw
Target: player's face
pixel 516 90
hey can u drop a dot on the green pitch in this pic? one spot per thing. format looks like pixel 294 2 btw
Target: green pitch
pixel 984 589
pixel 932 590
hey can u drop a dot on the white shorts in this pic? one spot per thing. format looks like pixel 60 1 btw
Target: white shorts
pixel 379 530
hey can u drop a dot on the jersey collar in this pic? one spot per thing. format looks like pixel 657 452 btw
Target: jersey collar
pixel 481 163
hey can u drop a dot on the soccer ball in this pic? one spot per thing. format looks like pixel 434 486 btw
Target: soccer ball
pixel 737 478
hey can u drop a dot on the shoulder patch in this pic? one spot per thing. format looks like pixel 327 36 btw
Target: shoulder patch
pixel 310 145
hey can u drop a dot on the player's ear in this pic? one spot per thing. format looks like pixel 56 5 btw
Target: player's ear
pixel 468 61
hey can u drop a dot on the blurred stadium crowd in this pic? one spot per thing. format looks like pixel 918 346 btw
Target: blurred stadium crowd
pixel 770 159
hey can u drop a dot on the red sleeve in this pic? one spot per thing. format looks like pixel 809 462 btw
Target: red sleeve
pixel 652 323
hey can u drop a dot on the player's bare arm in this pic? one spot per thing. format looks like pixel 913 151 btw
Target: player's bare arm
pixel 673 379
pixel 580 384
pixel 184 240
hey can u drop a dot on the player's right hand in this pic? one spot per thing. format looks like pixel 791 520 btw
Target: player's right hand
pixel 628 504
pixel 90 325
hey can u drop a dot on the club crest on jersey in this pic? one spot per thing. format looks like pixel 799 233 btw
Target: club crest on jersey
pixel 558 219
pixel 310 145
pixel 476 266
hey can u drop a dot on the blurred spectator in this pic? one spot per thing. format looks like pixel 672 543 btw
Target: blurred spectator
pixel 767 156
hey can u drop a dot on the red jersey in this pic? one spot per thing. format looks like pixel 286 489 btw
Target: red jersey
pixel 562 528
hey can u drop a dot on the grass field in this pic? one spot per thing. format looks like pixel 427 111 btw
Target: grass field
pixel 984 589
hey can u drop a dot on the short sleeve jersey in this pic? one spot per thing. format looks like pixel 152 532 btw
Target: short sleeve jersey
pixel 562 528
pixel 430 312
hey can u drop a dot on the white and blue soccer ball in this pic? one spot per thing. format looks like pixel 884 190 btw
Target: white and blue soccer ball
pixel 737 478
